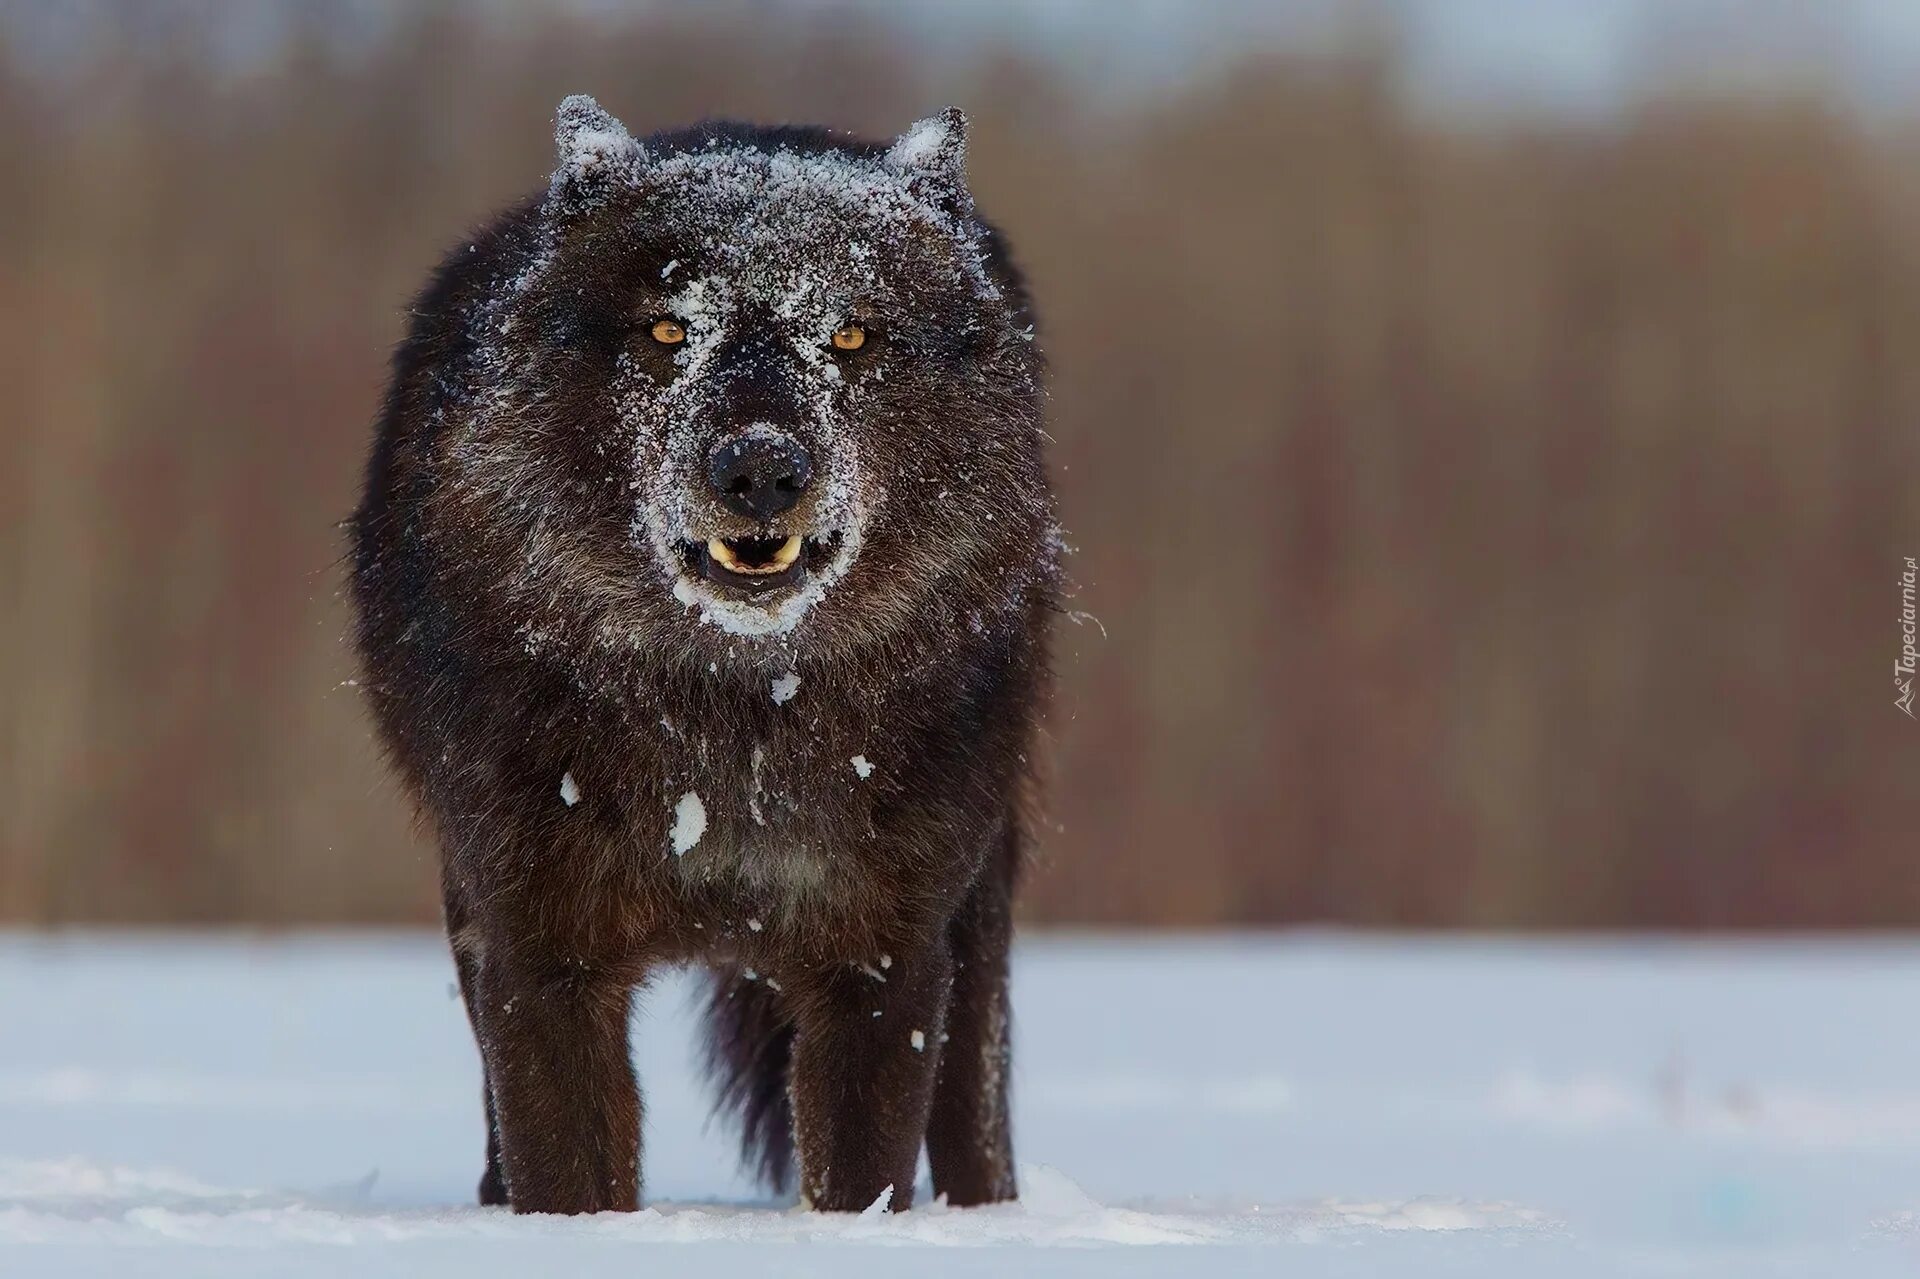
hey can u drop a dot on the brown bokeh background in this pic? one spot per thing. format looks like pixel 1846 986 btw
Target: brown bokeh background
pixel 1487 521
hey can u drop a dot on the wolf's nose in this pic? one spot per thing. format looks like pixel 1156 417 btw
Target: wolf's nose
pixel 761 475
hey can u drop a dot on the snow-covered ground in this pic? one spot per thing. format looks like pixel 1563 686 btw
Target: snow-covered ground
pixel 1301 1105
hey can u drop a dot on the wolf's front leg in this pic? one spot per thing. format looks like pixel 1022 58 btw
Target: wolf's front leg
pixel 567 1109
pixel 867 1042
pixel 969 1136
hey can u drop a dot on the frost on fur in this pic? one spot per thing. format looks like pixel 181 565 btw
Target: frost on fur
pixel 933 155
pixel 594 153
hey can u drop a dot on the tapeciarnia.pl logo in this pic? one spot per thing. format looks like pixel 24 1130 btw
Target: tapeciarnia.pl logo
pixel 1903 669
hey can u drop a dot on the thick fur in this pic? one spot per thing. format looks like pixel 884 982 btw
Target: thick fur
pixel 816 794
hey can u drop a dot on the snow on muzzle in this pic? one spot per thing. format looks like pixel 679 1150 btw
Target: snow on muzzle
pixel 759 476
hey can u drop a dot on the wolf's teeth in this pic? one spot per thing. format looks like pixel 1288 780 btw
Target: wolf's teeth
pixel 783 558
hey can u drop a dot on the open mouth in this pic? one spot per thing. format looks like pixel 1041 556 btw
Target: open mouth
pixel 757 565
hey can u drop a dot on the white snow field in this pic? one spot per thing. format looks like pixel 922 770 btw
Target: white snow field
pixel 1294 1105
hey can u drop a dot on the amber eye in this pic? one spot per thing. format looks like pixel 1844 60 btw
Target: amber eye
pixel 849 337
pixel 669 332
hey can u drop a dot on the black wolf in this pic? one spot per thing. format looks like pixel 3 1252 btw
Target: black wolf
pixel 703 575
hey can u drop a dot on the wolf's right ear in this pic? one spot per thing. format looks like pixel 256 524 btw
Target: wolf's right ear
pixel 595 155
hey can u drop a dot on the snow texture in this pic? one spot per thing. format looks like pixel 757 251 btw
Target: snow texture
pixel 937 143
pixel 1304 1106
pixel 862 767
pixel 569 790
pixel 689 822
pixel 785 687
pixel 594 150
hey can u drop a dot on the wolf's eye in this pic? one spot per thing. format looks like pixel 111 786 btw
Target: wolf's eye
pixel 669 332
pixel 849 337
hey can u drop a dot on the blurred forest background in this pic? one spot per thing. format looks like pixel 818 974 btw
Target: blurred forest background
pixel 1491 518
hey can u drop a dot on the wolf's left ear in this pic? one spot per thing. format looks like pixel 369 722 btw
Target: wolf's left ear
pixel 932 154
pixel 595 154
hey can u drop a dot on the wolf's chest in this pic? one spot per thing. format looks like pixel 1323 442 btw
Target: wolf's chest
pixel 777 804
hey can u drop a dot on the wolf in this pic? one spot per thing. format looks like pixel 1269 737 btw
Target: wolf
pixel 702 580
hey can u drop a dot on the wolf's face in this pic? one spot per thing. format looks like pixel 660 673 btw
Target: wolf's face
pixel 775 384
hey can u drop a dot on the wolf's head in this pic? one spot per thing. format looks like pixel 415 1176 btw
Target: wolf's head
pixel 753 384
